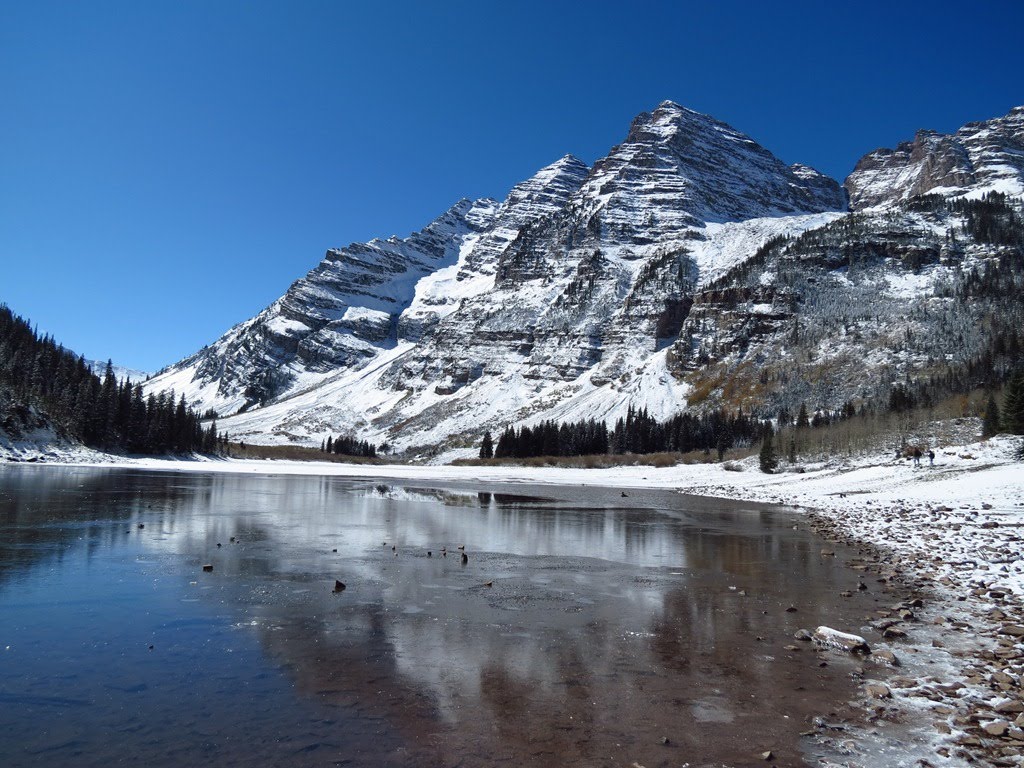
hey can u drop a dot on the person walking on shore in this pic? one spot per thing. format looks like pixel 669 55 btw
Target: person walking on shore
pixel 931 457
pixel 917 457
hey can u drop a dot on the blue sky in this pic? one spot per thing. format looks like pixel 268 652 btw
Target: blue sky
pixel 168 168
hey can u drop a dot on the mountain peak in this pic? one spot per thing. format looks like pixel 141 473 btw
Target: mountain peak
pixel 566 169
pixel 983 156
pixel 672 110
pixel 704 170
pixel 670 106
pixel 569 160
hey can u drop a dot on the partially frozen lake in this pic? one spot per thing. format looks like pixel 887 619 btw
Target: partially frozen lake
pixel 611 622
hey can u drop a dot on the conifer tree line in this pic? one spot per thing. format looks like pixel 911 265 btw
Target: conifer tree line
pixel 637 432
pixel 348 446
pixel 100 412
pixel 719 430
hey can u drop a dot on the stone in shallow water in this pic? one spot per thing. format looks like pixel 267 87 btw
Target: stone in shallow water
pixel 843 641
pixel 877 691
pixel 886 657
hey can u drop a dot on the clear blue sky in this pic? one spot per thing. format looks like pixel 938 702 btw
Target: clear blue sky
pixel 168 168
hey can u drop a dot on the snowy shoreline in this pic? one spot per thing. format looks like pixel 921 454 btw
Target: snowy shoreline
pixel 950 531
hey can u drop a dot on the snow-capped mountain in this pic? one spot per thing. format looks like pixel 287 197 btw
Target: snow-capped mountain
pixel 986 156
pixel 651 279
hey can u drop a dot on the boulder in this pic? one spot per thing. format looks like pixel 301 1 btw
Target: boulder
pixel 843 641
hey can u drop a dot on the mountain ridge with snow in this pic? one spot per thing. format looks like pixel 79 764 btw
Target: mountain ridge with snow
pixel 577 296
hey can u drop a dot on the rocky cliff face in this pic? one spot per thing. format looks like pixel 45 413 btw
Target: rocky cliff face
pixel 529 202
pixel 590 289
pixel 687 268
pixel 560 300
pixel 986 156
pixel 920 292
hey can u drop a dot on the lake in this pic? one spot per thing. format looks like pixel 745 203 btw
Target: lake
pixel 586 627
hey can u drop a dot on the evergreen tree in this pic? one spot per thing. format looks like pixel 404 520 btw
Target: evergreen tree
pixel 990 425
pixel 802 421
pixel 102 413
pixel 487 446
pixel 1013 405
pixel 350 446
pixel 767 458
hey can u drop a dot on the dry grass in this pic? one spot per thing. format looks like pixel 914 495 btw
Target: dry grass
pixel 949 422
pixel 743 387
pixel 296 453
pixel 702 385
pixel 594 461
pixel 605 461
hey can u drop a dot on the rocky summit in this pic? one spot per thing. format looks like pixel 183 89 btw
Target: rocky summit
pixel 986 156
pixel 688 268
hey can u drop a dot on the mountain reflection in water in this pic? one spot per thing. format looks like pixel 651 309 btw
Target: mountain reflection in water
pixel 606 627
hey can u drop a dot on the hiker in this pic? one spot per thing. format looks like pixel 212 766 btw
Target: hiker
pixel 917 457
pixel 931 458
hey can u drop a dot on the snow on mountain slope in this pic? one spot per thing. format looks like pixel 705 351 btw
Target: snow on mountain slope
pixel 342 314
pixel 564 306
pixel 439 294
pixel 910 295
pixel 433 412
pixel 726 245
pixel 986 156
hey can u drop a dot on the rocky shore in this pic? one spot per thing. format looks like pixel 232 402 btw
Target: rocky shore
pixel 963 618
